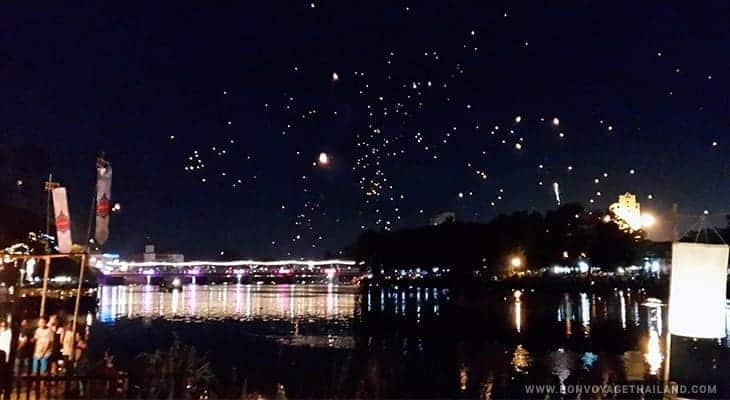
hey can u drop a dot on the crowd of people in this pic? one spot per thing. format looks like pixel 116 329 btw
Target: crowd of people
pixel 46 347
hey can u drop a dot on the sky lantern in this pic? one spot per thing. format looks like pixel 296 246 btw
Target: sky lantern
pixel 323 159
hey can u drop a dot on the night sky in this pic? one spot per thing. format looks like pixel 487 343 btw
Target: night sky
pixel 214 113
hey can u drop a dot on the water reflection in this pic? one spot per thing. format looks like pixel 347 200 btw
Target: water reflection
pixel 654 354
pixel 518 311
pixel 588 360
pixel 211 302
pixel 562 364
pixel 585 313
pixel 521 359
pixel 401 333
pixel 623 308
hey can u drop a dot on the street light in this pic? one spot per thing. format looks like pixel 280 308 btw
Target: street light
pixel 516 261
pixel 647 220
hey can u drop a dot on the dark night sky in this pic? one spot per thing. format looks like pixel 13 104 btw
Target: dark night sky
pixel 635 85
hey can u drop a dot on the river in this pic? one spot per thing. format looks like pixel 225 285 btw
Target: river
pixel 338 341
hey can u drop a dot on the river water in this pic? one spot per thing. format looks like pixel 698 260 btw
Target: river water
pixel 403 342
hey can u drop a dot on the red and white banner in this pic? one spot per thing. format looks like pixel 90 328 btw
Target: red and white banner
pixel 103 202
pixel 63 220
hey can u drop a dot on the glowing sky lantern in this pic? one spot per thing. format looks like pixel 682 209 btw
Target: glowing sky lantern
pixel 697 290
pixel 323 159
pixel 556 191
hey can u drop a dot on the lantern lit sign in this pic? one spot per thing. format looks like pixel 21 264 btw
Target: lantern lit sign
pixel 697 290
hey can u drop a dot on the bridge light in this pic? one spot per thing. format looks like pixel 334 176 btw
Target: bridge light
pixel 583 267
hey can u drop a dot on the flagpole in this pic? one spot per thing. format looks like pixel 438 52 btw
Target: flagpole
pixel 48 187
pixel 91 219
pixel 76 306
pixel 47 260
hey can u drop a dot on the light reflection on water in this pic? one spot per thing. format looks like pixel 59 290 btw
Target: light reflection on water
pixel 228 302
pixel 584 308
pixel 561 335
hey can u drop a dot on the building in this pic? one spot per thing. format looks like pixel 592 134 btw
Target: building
pixel 151 255
pixel 627 212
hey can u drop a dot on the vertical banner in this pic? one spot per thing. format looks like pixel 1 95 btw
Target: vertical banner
pixel 697 290
pixel 103 202
pixel 63 220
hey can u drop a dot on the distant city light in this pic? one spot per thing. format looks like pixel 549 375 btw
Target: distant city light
pixel 583 267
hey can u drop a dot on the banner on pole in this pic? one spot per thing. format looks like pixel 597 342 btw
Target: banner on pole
pixel 697 290
pixel 63 220
pixel 103 202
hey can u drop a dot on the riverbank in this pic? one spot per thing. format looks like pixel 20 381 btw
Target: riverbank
pixel 653 287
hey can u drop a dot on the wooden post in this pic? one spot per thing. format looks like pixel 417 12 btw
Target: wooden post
pixel 76 307
pixel 45 285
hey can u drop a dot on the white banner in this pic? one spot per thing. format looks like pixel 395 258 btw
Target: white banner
pixel 103 203
pixel 697 290
pixel 63 220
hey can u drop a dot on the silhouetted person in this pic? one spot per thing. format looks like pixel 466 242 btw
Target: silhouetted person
pixel 43 347
pixel 24 349
pixel 5 374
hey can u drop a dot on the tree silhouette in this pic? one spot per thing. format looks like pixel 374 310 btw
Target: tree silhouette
pixel 542 240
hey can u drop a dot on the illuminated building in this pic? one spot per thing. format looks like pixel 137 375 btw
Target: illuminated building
pixel 627 214
pixel 150 255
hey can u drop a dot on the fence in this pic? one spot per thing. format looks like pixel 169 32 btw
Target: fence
pixel 35 387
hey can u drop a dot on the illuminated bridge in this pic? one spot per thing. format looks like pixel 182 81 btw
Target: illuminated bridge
pixel 241 271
